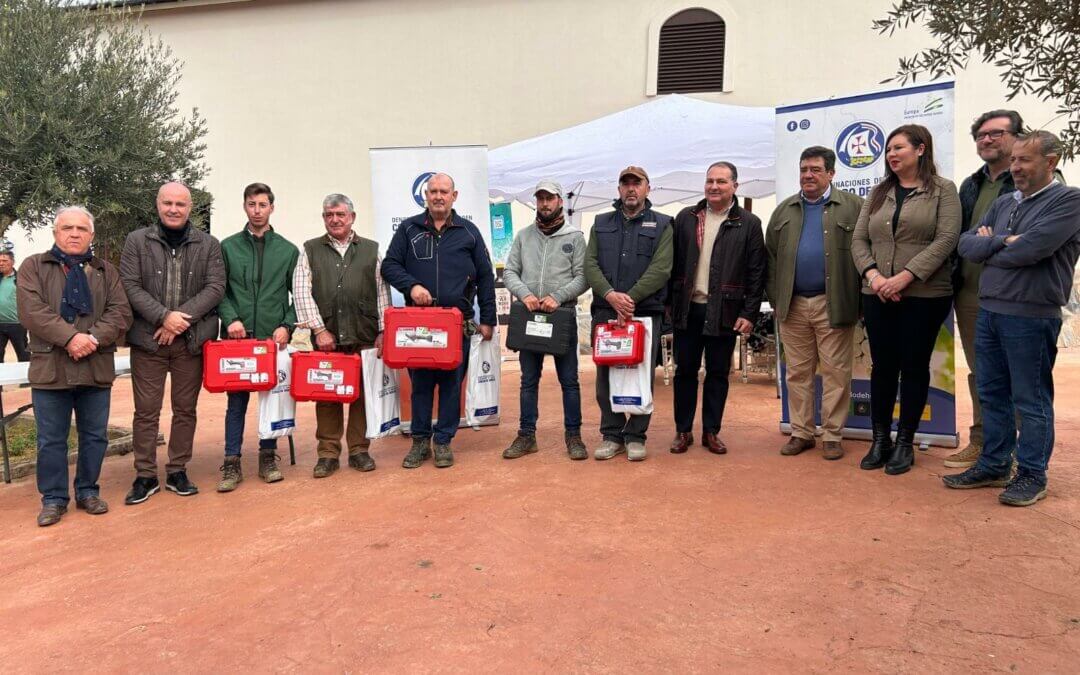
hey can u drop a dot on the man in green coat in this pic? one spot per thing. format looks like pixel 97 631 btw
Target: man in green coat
pixel 259 265
pixel 813 286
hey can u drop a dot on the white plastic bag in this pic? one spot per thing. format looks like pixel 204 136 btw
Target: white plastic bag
pixel 482 378
pixel 277 408
pixel 382 397
pixel 631 386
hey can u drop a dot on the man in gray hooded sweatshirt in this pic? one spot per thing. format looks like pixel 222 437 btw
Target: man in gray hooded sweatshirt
pixel 546 270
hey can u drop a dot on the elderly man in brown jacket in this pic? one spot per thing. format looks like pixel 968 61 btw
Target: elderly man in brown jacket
pixel 174 277
pixel 75 309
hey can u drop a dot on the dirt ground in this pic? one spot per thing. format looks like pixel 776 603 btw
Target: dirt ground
pixel 749 562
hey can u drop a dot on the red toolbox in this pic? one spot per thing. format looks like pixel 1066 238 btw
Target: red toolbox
pixel 326 376
pixel 239 365
pixel 615 345
pixel 422 337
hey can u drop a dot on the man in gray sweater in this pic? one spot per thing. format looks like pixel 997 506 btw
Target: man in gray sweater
pixel 546 270
pixel 1028 243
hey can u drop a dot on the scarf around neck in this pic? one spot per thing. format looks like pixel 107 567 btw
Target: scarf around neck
pixel 76 300
pixel 550 225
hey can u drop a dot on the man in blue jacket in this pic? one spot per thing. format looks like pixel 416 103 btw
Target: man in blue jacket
pixel 437 258
pixel 1028 243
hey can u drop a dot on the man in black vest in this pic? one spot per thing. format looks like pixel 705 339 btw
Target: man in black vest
pixel 627 265
pixel 340 295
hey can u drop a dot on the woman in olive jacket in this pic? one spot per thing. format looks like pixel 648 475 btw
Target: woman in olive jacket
pixel 901 246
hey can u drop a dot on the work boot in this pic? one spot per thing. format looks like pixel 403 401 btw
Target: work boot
pixel 420 450
pixel 880 450
pixel 93 505
pixel 575 446
pixel 268 469
pixel 974 478
pixel 1024 490
pixel 608 449
pixel 361 461
pixel 231 474
pixel 795 445
pixel 965 458
pixel 444 458
pixel 903 456
pixel 523 445
pixel 832 450
pixel 325 467
pixel 635 451
pixel 51 514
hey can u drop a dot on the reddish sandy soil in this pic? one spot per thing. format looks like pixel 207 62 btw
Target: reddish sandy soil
pixel 747 562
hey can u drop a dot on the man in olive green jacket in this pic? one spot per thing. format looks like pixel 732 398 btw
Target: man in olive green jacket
pixel 259 265
pixel 813 286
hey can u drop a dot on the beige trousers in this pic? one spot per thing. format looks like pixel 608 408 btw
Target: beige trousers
pixel 812 346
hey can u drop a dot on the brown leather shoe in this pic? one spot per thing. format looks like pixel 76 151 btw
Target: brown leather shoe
pixel 713 444
pixel 681 442
pixel 50 514
pixel 832 450
pixel 795 445
pixel 93 505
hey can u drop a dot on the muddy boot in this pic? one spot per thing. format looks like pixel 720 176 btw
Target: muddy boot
pixel 575 446
pixel 325 467
pixel 231 475
pixel 522 445
pixel 361 461
pixel 268 469
pixel 420 450
pixel 443 456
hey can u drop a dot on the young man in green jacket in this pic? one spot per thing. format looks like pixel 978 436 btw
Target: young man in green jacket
pixel 259 266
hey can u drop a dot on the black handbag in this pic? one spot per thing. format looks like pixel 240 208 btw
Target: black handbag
pixel 542 332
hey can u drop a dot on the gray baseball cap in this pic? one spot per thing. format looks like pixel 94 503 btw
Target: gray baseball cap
pixel 549 186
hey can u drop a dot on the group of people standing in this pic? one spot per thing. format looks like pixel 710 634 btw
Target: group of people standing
pixel 825 259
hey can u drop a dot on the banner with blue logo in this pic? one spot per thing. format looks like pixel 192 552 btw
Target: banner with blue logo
pixel 855 127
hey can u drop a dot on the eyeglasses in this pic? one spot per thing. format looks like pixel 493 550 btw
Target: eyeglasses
pixel 816 170
pixel 992 135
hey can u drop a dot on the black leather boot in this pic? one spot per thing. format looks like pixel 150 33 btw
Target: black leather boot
pixel 880 450
pixel 903 454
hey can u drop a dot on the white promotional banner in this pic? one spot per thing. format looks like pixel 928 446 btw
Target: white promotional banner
pixel 855 128
pixel 399 176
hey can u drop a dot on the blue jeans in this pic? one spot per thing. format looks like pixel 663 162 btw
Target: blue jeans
pixel 566 367
pixel 52 413
pixel 424 382
pixel 1014 363
pixel 235 414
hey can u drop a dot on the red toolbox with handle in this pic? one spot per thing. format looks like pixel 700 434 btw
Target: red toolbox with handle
pixel 615 345
pixel 326 376
pixel 239 365
pixel 422 337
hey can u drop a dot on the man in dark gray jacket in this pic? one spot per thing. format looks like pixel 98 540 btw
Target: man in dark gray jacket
pixel 174 277
pixel 1028 243
pixel 546 270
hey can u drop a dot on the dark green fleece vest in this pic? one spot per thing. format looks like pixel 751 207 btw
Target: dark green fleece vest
pixel 344 289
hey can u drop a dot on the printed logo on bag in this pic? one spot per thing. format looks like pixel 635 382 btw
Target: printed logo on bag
pixel 486 367
pixel 420 337
pixel 860 144
pixel 282 376
pixel 237 365
pixel 385 380
pixel 419 185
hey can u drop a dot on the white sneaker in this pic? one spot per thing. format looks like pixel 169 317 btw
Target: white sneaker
pixel 607 450
pixel 635 451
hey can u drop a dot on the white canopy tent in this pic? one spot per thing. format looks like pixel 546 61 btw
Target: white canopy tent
pixel 674 138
